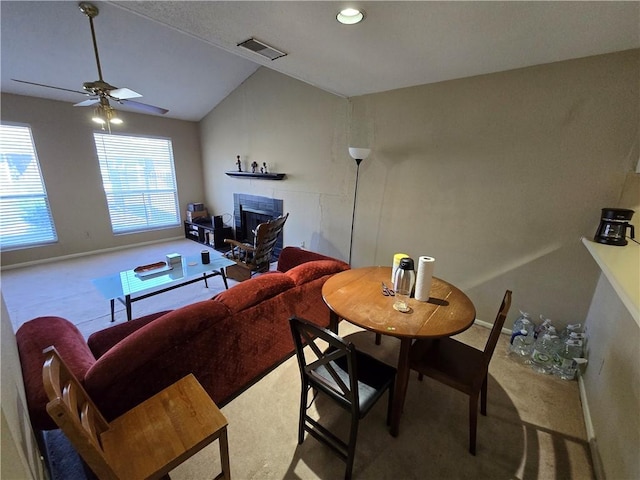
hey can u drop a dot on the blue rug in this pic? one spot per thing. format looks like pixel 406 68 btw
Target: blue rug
pixel 62 460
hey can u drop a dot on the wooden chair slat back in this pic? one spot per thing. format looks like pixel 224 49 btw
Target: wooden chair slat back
pixel 497 326
pixel 266 237
pixel 75 413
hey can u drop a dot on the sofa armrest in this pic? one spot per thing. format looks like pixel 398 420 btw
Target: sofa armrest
pixel 32 338
pixel 291 257
pixel 101 341
pixel 310 271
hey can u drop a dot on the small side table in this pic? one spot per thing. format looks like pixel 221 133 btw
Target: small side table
pixel 185 420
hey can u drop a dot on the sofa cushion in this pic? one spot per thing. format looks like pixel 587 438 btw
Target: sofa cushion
pixel 253 291
pixel 115 381
pixel 32 338
pixel 101 341
pixel 315 269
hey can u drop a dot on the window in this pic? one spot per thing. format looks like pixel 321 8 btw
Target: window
pixel 25 216
pixel 139 182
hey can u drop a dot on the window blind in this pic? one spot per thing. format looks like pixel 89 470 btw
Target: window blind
pixel 139 182
pixel 25 216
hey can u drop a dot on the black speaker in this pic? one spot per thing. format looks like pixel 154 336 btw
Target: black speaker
pixel 217 221
pixel 219 234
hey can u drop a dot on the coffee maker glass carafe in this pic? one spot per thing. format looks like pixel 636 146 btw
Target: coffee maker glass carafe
pixel 613 226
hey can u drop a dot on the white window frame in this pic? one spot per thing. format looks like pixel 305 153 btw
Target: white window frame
pixel 25 214
pixel 139 180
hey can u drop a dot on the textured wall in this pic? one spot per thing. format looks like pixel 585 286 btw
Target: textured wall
pixel 497 176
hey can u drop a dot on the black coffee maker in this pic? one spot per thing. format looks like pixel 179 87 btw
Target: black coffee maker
pixel 613 226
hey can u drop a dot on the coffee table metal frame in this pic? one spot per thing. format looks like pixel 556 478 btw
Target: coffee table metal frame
pixel 122 286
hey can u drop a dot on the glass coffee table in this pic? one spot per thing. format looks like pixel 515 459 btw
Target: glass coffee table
pixel 128 286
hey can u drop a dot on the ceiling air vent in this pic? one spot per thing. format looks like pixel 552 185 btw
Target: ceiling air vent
pixel 261 49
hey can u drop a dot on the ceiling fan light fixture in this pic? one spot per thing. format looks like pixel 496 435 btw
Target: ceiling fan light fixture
pixel 105 115
pixel 350 16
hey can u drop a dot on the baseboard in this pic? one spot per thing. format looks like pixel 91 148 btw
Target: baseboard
pixel 86 254
pixel 598 468
pixel 482 323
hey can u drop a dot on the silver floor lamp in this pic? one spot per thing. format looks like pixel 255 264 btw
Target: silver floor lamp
pixel 358 154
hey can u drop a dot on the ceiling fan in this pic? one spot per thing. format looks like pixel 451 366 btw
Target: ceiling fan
pixel 99 90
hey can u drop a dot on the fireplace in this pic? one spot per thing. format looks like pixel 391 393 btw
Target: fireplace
pixel 251 210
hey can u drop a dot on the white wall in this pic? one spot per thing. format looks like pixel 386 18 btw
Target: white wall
pixel 298 130
pixel 497 176
pixel 63 136
pixel 20 457
pixel 610 378
pixel 611 383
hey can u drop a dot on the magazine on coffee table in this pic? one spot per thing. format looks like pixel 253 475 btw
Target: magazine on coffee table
pixel 152 269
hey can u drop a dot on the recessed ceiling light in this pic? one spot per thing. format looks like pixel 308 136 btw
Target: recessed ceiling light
pixel 350 16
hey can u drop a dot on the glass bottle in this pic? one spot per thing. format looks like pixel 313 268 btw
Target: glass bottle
pixel 522 336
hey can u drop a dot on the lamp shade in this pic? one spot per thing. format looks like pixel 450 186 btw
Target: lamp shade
pixel 359 153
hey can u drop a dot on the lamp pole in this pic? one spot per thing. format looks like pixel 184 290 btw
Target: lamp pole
pixel 353 214
pixel 358 154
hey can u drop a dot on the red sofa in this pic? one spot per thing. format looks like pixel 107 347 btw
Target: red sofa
pixel 227 342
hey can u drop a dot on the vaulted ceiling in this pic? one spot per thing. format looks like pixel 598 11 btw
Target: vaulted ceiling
pixel 183 56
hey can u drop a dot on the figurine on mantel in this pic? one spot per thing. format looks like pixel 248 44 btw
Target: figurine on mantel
pixel 254 166
pixel 263 169
pixel 239 163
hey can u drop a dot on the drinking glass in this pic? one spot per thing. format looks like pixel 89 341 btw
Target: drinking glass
pixel 402 301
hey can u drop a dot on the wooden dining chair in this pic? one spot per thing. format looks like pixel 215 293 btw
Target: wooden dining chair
pixel 354 380
pixel 461 366
pixel 147 441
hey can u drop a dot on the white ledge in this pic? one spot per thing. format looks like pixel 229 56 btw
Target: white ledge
pixel 621 266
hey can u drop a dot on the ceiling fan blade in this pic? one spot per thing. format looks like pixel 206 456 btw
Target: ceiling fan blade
pixel 87 103
pixel 100 90
pixel 123 93
pixel 48 86
pixel 143 106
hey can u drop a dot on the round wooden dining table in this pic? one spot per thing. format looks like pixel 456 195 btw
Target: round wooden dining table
pixel 356 296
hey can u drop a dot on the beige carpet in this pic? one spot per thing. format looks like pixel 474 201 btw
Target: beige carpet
pixel 64 288
pixel 534 428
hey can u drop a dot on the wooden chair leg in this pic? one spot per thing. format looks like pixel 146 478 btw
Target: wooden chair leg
pixel 351 452
pixel 224 456
pixel 483 397
pixel 390 405
pixel 303 412
pixel 473 422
